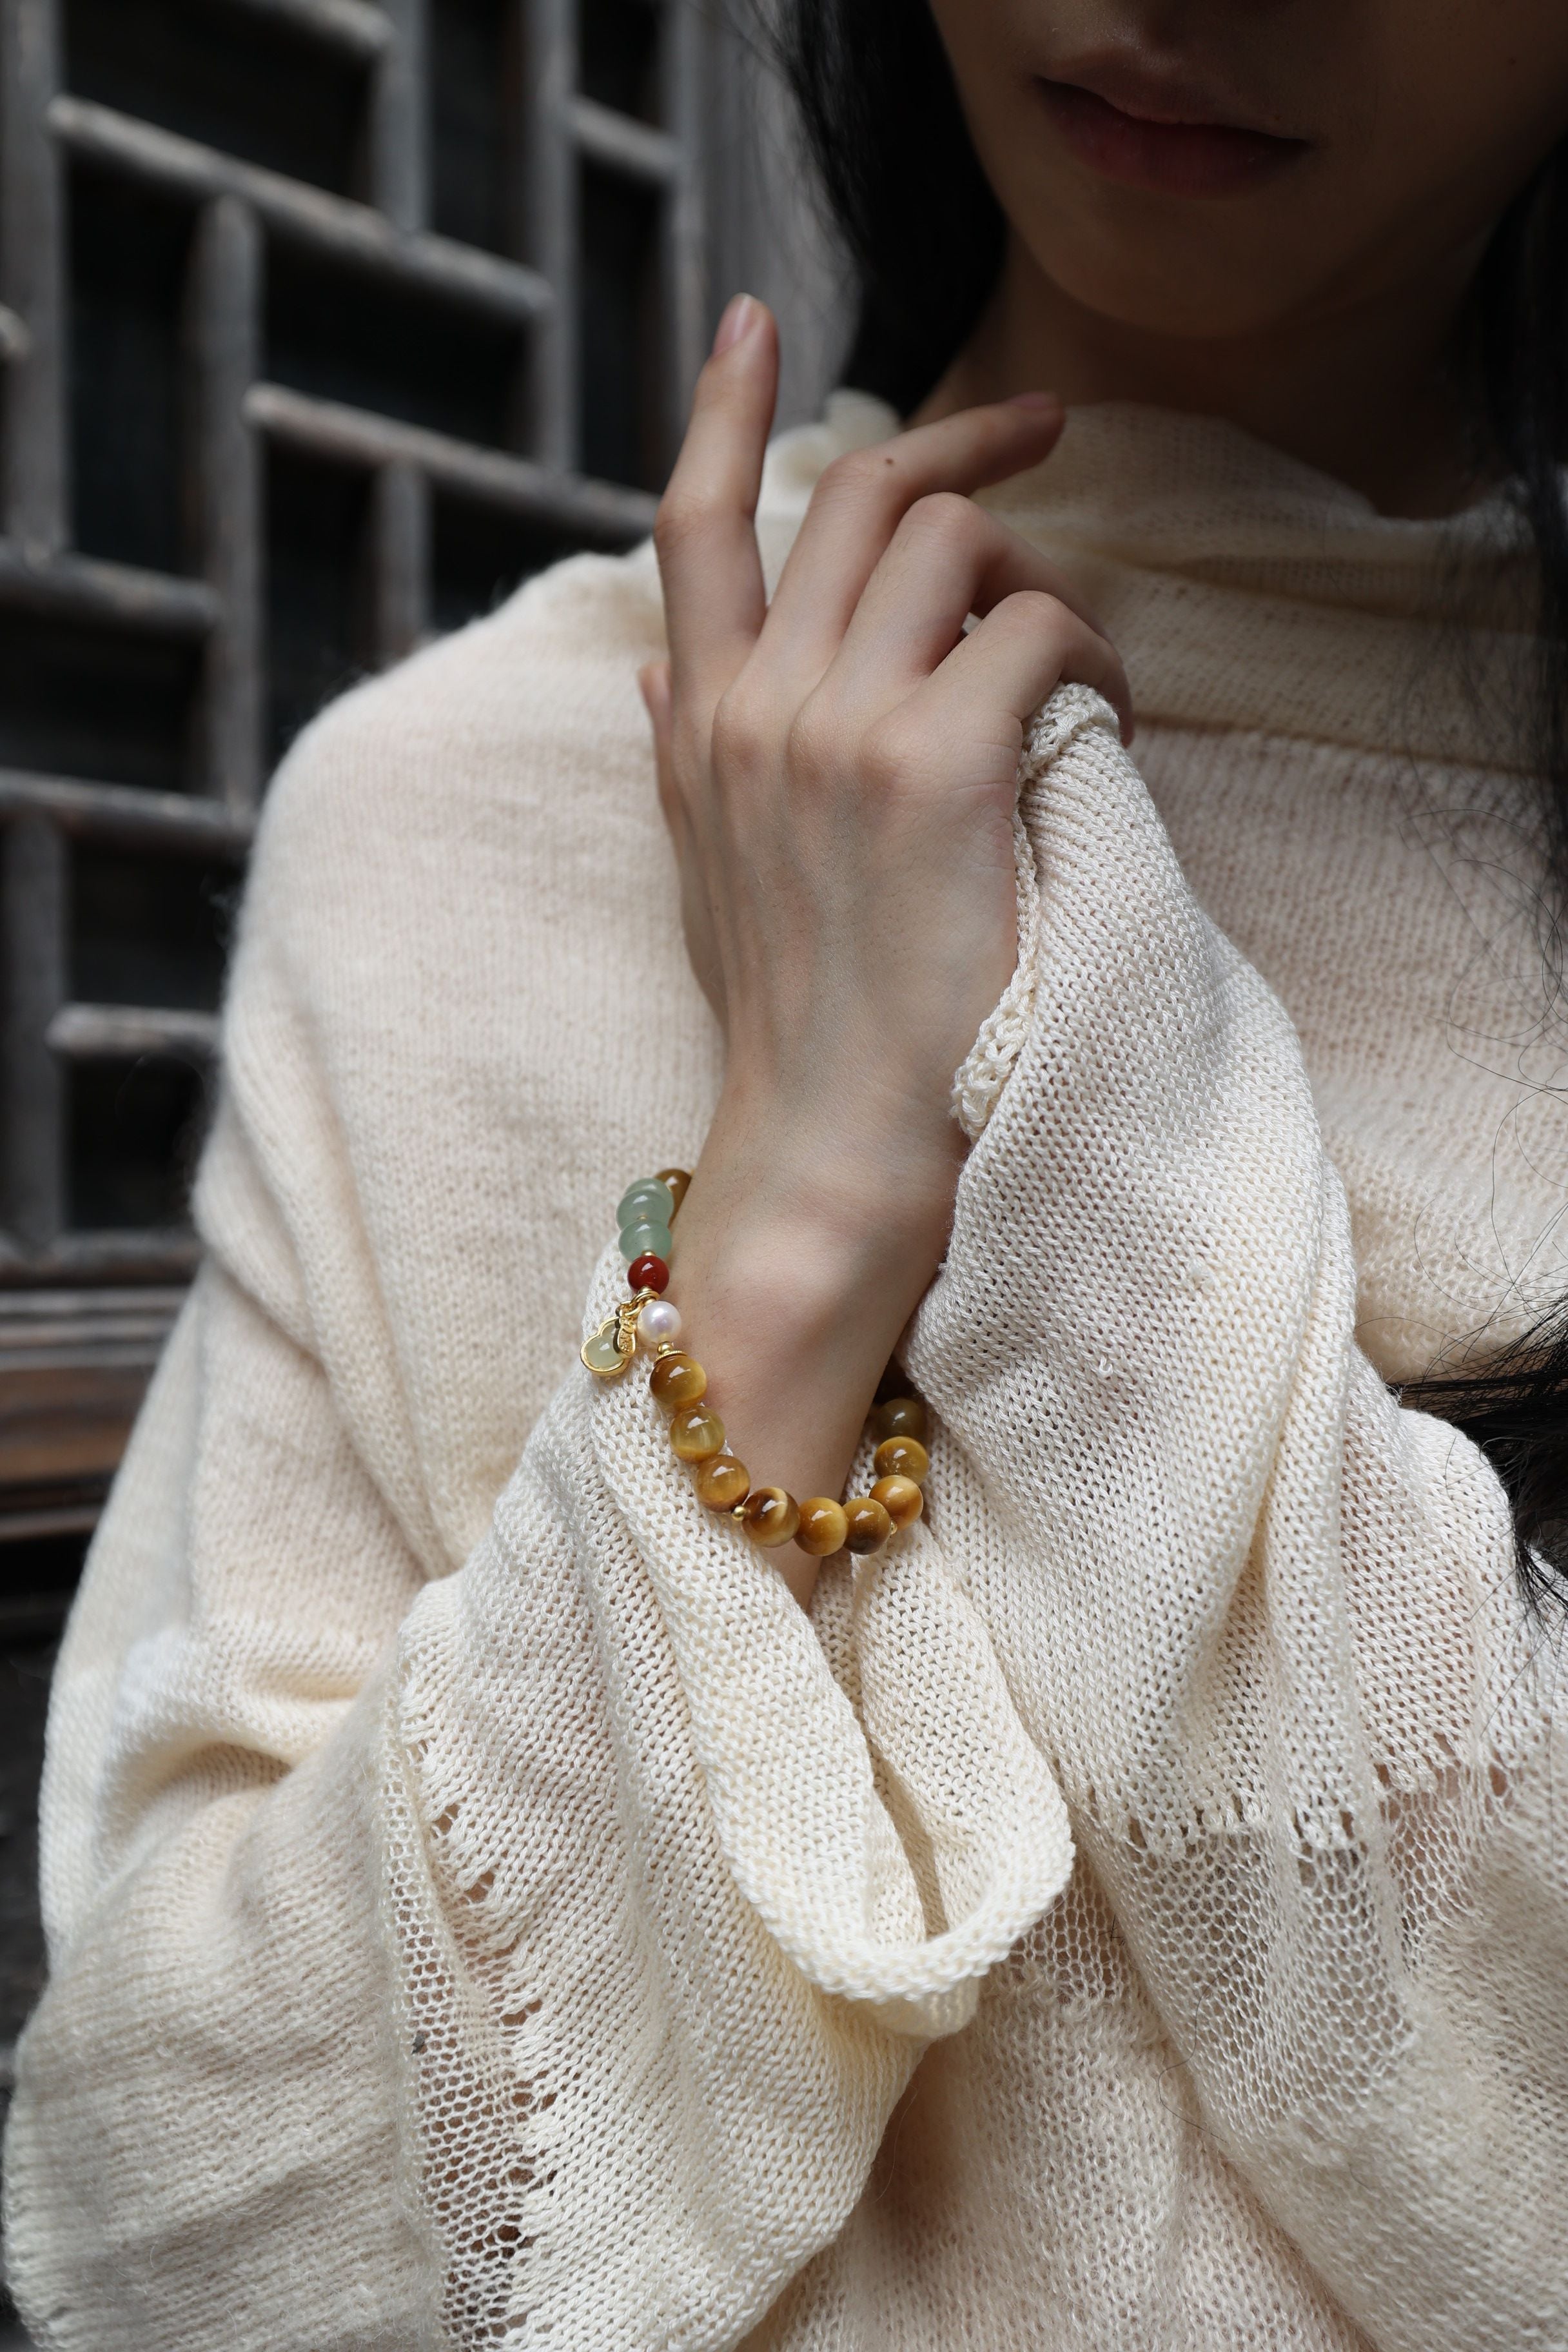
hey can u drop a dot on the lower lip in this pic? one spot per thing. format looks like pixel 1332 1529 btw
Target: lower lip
pixel 1170 159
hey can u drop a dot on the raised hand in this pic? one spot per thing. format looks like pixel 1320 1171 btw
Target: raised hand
pixel 838 772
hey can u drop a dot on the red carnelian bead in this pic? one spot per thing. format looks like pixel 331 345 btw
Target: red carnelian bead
pixel 648 1273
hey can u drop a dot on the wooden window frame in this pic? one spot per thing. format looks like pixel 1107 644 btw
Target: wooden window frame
pixel 83 1313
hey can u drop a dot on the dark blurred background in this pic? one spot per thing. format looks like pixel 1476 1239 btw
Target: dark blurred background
pixel 322 324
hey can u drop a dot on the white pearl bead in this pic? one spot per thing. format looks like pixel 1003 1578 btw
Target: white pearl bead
pixel 658 1322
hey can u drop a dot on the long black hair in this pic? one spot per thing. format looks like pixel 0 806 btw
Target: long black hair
pixel 923 236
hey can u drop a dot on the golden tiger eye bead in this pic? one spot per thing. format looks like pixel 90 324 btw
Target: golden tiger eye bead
pixel 901 1457
pixel 722 1483
pixel 867 1524
pixel 675 1181
pixel 822 1526
pixel 770 1517
pixel 901 1498
pixel 697 1433
pixel 899 1417
pixel 678 1380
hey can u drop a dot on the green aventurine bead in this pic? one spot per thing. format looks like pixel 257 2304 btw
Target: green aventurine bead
pixel 638 1240
pixel 647 1203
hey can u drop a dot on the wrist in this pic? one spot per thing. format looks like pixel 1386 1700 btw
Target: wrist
pixel 810 1259
pixel 795 1269
pixel 801 1293
pixel 827 1201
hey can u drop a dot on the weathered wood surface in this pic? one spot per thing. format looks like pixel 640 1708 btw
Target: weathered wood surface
pixel 74 1367
pixel 329 428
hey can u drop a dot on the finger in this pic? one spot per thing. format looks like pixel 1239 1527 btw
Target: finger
pixel 695 914
pixel 712 574
pixel 654 682
pixel 653 679
pixel 858 504
pixel 1010 662
pixel 947 559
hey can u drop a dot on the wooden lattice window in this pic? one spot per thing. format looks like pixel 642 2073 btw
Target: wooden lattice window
pixel 323 324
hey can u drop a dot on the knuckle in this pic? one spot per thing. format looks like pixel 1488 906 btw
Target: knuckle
pixel 742 729
pixel 680 518
pixel 1037 610
pixel 889 755
pixel 948 517
pixel 810 743
pixel 856 473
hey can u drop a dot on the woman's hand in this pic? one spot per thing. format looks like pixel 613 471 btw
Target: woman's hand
pixel 837 771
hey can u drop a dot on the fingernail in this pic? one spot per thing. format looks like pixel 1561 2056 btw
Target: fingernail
pixel 737 319
pixel 1032 400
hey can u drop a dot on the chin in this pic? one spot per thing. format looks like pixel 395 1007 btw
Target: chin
pixel 1201 303
pixel 1196 273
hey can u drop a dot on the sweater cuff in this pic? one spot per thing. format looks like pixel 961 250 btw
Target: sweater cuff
pixel 803 1790
pixel 1072 712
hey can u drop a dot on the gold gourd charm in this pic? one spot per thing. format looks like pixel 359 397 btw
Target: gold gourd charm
pixel 609 1350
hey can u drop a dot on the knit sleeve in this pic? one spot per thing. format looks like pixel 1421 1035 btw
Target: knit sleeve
pixel 527 1950
pixel 1263 1621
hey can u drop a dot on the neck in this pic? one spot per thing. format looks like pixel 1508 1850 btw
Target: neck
pixel 1364 395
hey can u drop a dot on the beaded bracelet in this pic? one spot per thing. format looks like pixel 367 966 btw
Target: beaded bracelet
pixel 766 1514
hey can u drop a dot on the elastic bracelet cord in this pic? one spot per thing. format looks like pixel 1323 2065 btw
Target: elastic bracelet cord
pixel 769 1515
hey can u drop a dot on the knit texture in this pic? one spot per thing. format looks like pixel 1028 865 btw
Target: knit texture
pixel 1128 1915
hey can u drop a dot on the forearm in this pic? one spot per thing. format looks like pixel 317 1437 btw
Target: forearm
pixel 798 1260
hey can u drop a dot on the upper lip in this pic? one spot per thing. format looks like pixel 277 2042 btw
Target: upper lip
pixel 1168 94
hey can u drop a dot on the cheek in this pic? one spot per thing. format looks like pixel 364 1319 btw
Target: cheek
pixel 1472 95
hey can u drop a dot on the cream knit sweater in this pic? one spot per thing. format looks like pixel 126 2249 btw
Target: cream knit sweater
pixel 1132 1916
